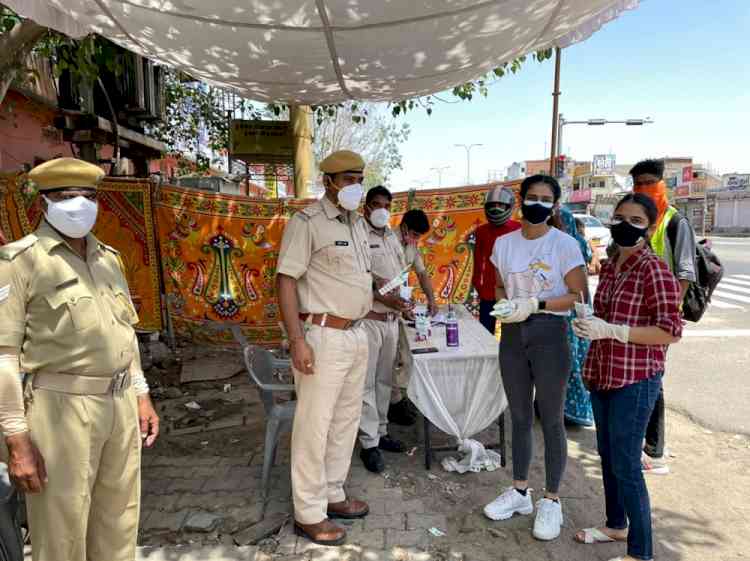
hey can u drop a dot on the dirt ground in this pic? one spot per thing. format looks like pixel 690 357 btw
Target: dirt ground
pixel 700 509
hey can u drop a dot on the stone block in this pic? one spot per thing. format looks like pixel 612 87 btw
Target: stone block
pixel 166 521
pixel 373 539
pixel 426 521
pixel 262 529
pixel 159 502
pixel 193 553
pixel 193 486
pixel 414 506
pixel 405 538
pixel 234 483
pixel 156 486
pixel 384 522
pixel 201 522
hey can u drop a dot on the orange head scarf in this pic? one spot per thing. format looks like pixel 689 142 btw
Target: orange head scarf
pixel 657 191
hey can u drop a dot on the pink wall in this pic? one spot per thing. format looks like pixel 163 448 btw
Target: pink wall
pixel 27 132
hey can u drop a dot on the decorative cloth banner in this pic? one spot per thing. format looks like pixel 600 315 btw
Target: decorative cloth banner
pixel 219 258
pixel 219 252
pixel 125 221
pixel 219 255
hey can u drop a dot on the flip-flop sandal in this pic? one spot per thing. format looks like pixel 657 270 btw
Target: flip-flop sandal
pixel 593 535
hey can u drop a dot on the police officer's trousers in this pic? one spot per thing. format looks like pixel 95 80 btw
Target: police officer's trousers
pixel 382 339
pixel 329 403
pixel 90 506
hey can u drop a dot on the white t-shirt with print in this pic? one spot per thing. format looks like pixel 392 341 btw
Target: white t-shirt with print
pixel 536 268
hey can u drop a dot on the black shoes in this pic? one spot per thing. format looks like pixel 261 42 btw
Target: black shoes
pixel 373 459
pixel 401 414
pixel 391 444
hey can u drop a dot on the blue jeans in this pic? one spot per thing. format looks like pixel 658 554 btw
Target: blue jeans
pixel 621 417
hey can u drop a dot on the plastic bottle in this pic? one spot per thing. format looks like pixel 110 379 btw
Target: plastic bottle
pixel 421 323
pixel 451 328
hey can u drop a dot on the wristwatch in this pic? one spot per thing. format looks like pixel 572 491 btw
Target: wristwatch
pixel 542 305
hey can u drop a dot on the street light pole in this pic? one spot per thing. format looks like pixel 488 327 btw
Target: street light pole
pixel 555 117
pixel 595 123
pixel 439 170
pixel 468 148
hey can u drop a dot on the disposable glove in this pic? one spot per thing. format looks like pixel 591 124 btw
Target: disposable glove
pixel 516 310
pixel 595 328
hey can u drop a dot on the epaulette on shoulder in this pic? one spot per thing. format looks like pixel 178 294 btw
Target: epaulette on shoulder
pixel 110 248
pixel 11 250
pixel 310 211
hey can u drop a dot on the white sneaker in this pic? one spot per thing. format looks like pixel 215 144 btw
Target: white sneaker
pixel 509 503
pixel 548 519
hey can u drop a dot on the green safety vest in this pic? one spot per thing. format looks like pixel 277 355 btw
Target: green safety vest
pixel 659 239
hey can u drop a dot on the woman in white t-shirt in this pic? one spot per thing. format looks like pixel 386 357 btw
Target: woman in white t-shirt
pixel 540 277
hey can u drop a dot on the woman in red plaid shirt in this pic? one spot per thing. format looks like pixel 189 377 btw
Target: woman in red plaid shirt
pixel 636 318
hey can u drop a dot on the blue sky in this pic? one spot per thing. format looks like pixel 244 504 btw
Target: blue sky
pixel 685 63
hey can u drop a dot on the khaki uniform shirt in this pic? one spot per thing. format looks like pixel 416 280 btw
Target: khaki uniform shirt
pixel 327 252
pixel 67 315
pixel 414 258
pixel 388 258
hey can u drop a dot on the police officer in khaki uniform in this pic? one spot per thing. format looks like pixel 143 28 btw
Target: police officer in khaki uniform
pixel 325 288
pixel 414 226
pixel 74 430
pixel 382 326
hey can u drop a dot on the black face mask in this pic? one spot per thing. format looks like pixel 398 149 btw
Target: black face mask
pixel 626 235
pixel 498 215
pixel 535 213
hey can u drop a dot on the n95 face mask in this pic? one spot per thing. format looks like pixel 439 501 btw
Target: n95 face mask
pixel 73 217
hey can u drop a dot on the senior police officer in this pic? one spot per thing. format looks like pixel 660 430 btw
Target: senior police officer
pixel 74 430
pixel 325 287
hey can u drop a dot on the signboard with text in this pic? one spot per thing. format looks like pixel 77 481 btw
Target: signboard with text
pixel 603 164
pixel 736 182
pixel 682 191
pixel 259 140
pixel 687 174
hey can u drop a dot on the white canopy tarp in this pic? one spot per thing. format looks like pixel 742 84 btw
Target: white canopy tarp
pixel 326 51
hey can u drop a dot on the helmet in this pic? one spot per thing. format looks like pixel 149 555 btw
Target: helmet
pixel 499 215
pixel 501 195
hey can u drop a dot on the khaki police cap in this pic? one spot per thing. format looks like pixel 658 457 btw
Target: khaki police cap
pixel 66 172
pixel 341 161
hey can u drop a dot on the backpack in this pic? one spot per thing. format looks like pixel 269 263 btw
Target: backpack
pixel 708 273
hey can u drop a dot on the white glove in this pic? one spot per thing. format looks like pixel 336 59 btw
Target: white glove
pixel 516 310
pixel 594 328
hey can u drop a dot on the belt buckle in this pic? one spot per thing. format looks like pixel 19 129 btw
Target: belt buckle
pixel 390 316
pixel 118 382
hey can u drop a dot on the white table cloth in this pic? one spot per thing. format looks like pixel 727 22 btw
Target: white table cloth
pixel 460 389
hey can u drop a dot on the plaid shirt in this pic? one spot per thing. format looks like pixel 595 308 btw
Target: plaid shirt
pixel 644 292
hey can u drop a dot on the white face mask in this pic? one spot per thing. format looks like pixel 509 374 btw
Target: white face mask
pixel 380 217
pixel 350 196
pixel 73 217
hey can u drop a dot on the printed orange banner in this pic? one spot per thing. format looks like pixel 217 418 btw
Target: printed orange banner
pixel 219 255
pixel 125 222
